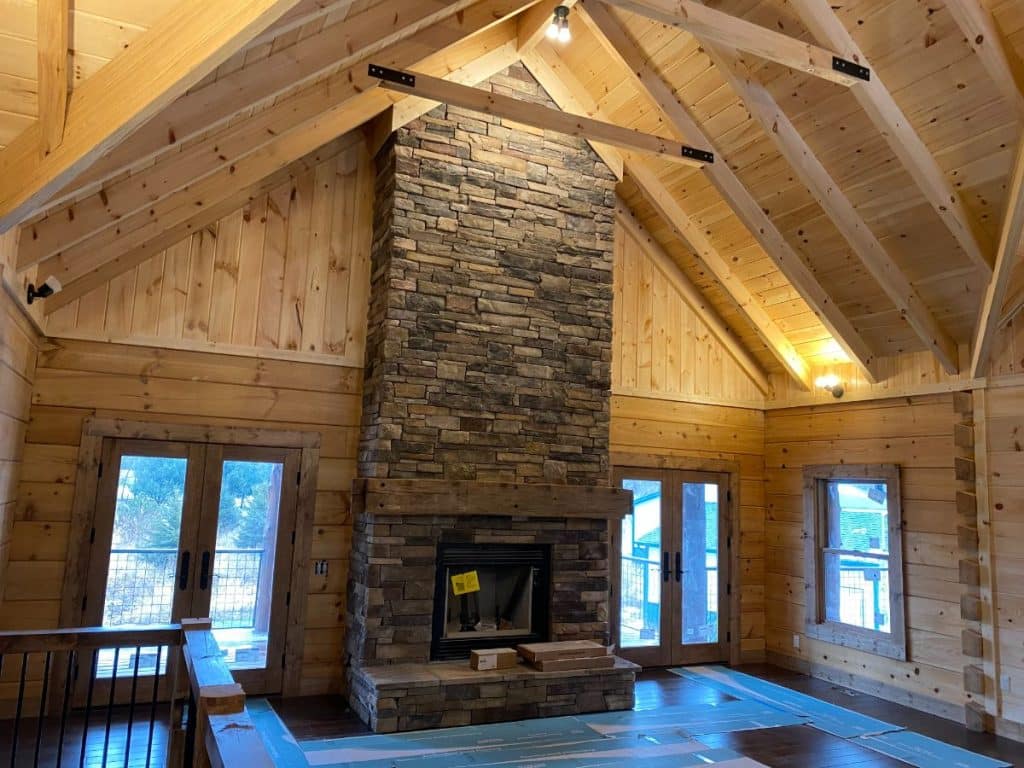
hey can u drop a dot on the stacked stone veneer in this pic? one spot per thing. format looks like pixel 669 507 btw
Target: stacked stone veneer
pixel 488 360
pixel 489 340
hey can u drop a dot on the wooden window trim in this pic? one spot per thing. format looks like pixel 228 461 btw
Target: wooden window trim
pixel 95 430
pixel 892 645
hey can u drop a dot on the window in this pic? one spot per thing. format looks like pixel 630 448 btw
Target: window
pixel 854 557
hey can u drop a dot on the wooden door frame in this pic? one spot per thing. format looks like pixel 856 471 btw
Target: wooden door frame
pixel 90 454
pixel 624 461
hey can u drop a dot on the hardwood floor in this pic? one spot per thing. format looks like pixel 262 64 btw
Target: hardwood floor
pixel 326 717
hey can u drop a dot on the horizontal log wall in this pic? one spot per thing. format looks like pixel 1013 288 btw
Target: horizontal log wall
pixel 653 428
pixel 917 434
pixel 79 379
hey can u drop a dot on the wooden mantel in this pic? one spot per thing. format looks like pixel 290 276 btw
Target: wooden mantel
pixel 445 498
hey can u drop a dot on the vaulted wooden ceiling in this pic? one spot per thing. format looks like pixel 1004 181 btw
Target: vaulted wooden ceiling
pixel 841 219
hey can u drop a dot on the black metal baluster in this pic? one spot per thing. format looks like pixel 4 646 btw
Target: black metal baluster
pixel 152 705
pixel 131 706
pixel 190 729
pixel 110 706
pixel 17 710
pixel 68 677
pixel 88 706
pixel 42 707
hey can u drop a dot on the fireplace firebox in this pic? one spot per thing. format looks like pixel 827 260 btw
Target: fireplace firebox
pixel 489 596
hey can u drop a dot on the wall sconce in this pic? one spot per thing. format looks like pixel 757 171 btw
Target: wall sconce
pixel 830 383
pixel 558 29
pixel 50 286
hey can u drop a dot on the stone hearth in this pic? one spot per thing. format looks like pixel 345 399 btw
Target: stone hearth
pixel 485 407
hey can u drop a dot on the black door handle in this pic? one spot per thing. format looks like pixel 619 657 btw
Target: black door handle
pixel 186 559
pixel 666 572
pixel 679 566
pixel 204 571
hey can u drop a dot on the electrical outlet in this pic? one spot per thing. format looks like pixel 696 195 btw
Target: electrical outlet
pixel 796 641
pixel 319 567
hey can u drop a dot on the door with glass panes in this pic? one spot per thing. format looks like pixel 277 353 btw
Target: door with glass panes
pixel 194 530
pixel 673 567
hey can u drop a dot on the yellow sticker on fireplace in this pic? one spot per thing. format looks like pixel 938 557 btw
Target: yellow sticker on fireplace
pixel 464 583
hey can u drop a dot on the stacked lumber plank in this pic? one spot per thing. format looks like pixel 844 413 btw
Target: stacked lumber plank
pixel 567 655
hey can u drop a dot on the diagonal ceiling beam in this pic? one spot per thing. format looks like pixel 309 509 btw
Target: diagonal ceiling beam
pixel 52 54
pixel 830 197
pixel 621 47
pixel 878 103
pixel 740 34
pixel 693 297
pixel 997 57
pixel 70 225
pixel 101 257
pixel 212 105
pixel 1008 255
pixel 165 61
pixel 551 72
pixel 538 116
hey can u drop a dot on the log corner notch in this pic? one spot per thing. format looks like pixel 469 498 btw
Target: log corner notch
pixel 538 116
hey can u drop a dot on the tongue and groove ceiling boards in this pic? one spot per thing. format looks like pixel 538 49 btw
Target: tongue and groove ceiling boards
pixel 842 218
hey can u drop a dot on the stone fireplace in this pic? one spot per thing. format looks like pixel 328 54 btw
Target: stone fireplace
pixel 485 419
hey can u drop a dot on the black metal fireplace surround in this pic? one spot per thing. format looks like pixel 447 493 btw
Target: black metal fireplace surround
pixel 509 601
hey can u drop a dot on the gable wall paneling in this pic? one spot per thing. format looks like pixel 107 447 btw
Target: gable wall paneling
pixel 662 347
pixel 917 434
pixel 286 274
pixel 77 379
pixel 652 432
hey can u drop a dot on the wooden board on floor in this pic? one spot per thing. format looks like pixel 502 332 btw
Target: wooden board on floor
pixel 568 649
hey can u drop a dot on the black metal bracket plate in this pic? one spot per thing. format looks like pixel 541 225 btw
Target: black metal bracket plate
pixel 698 154
pixel 850 68
pixel 392 75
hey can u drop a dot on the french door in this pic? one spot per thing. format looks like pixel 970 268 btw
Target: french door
pixel 194 530
pixel 673 595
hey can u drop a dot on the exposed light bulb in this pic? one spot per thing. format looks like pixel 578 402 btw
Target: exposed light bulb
pixel 552 32
pixel 563 34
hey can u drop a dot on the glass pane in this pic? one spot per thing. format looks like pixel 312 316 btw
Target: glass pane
pixel 489 601
pixel 243 565
pixel 700 563
pixel 640 606
pixel 858 514
pixel 857 591
pixel 143 551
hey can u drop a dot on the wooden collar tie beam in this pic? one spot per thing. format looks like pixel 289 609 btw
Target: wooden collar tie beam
pixel 538 116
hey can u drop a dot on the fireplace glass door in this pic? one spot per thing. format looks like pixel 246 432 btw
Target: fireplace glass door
pixel 489 596
pixel 673 595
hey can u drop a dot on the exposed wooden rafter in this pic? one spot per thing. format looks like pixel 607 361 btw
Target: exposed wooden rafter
pixel 173 55
pixel 1008 255
pixel 827 193
pixel 717 27
pixel 999 59
pixel 621 47
pixel 71 224
pixel 52 55
pixel 243 152
pixel 694 298
pixel 536 115
pixel 562 85
pixel 888 118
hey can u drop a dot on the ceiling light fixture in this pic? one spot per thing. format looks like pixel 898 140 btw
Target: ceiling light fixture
pixel 830 383
pixel 558 29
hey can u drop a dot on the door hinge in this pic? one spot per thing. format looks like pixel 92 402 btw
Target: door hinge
pixel 728 542
pixel 288 598
pixel 728 589
pixel 92 535
pixel 283 664
pixel 728 637
pixel 85 599
pixel 298 478
pixel 728 495
pixel 100 473
pixel 293 537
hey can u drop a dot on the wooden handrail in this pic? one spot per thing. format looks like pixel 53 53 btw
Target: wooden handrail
pixel 225 736
pixel 40 641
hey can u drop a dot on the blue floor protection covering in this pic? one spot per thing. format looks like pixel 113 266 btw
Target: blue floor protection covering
pixel 661 738
pixel 886 738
